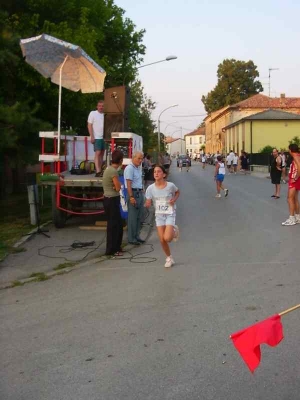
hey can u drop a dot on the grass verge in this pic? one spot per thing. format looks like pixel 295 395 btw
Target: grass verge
pixel 64 265
pixel 15 217
pixel 39 276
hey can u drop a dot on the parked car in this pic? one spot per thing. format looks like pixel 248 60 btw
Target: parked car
pixel 183 158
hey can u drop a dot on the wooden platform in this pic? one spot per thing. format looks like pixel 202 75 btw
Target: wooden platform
pixel 88 180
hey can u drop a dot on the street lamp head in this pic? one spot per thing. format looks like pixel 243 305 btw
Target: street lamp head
pixel 169 58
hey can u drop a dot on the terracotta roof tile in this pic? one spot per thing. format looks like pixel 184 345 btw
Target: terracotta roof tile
pixel 198 131
pixel 262 101
pixel 268 115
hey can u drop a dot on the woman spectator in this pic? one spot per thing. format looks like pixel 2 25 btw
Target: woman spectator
pixel 244 162
pixel 111 202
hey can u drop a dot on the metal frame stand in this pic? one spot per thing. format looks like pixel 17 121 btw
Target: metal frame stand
pixel 37 215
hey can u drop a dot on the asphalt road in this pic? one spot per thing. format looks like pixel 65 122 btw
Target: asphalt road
pixel 131 330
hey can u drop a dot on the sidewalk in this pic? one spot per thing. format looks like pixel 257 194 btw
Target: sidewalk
pixel 49 256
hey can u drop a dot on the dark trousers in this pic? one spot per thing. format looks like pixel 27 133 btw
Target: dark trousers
pixel 114 232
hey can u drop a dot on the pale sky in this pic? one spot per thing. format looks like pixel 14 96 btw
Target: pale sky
pixel 202 33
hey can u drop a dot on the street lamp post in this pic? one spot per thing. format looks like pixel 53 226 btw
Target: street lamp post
pixel 158 125
pixel 169 58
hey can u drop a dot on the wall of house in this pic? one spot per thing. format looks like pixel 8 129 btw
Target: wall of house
pixel 264 133
pixel 193 143
pixel 178 146
pixel 273 133
pixel 237 138
pixel 218 140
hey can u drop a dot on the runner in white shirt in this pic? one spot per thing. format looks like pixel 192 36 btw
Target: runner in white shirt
pixel 283 158
pixel 219 177
pixel 203 160
pixel 228 162
pixel 235 162
pixel 163 195
pixel 216 155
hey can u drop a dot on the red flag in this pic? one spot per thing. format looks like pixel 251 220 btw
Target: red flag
pixel 248 340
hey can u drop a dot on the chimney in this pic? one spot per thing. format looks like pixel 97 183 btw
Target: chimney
pixel 282 99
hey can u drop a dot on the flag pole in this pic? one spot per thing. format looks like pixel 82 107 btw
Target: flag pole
pixel 289 310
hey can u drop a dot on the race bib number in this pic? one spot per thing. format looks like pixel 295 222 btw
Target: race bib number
pixel 163 207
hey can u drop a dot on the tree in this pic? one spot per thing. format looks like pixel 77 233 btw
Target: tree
pixel 267 149
pixel 237 80
pixel 295 140
pixel 99 27
pixel 140 114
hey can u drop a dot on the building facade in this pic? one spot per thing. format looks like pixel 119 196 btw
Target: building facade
pixel 176 146
pixel 268 128
pixel 195 140
pixel 218 120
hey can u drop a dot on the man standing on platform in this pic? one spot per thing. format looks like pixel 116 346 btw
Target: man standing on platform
pixel 135 200
pixel 96 128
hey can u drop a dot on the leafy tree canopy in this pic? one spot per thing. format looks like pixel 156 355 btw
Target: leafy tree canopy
pixel 98 26
pixel 237 80
pixel 295 140
pixel 267 149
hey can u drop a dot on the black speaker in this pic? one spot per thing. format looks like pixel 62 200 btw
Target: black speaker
pixel 116 110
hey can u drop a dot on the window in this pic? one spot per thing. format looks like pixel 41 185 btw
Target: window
pixel 200 140
pixel 191 140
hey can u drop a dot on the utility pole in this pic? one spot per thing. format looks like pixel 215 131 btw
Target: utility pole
pixel 271 69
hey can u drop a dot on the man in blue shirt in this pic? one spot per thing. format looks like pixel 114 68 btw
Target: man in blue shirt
pixel 135 199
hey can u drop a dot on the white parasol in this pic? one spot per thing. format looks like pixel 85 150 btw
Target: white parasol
pixel 66 64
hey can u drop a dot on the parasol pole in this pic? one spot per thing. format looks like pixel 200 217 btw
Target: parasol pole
pixel 59 106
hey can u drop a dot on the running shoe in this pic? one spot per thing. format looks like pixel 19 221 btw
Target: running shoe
pixel 176 233
pixel 226 192
pixel 218 195
pixel 297 219
pixel 289 222
pixel 169 262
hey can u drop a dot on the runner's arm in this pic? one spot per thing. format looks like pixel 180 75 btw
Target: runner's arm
pixel 173 200
pixel 296 158
pixel 148 203
pixel 217 170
